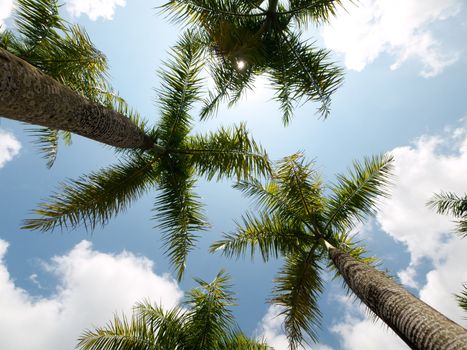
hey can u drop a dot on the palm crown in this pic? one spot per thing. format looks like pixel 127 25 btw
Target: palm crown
pixel 297 218
pixel 170 166
pixel 65 53
pixel 245 40
pixel 206 324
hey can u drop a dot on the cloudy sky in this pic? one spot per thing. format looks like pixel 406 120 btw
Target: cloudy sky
pixel 404 93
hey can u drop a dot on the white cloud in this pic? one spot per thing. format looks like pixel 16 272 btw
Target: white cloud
pixel 9 147
pixel 271 329
pixel 6 7
pixel 398 27
pixel 94 8
pixel 92 286
pixel 431 164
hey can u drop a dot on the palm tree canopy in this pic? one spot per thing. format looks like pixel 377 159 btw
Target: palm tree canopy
pixel 170 167
pixel 296 215
pixel 245 40
pixel 205 323
pixel 64 52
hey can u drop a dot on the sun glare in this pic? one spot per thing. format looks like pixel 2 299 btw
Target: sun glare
pixel 241 65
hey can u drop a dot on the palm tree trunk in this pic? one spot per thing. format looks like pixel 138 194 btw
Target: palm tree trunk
pixel 28 95
pixel 418 324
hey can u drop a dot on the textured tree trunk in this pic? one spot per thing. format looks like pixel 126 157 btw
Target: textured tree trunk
pixel 28 95
pixel 418 324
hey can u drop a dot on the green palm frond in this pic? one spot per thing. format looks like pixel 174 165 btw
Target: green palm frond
pixel 309 74
pixel 300 187
pixel 180 88
pixel 305 11
pixel 206 11
pixel 356 195
pixel 92 200
pixel 297 289
pixel 38 21
pixel 121 334
pixel 227 153
pixel 448 203
pixel 462 298
pixel 230 84
pixel 179 214
pixel 210 314
pixel 168 326
pixel 46 141
pixel 269 233
pixel 237 340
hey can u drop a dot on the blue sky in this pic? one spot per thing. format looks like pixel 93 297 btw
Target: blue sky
pixel 404 93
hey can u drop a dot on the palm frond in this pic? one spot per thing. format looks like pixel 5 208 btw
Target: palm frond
pixel 180 89
pixel 179 214
pixel 226 153
pixel 38 21
pixel 207 11
pixel 356 195
pixel 297 289
pixel 168 326
pixel 230 83
pixel 300 187
pixel 448 203
pixel 47 143
pixel 311 76
pixel 462 298
pixel 317 11
pixel 92 200
pixel 210 314
pixel 237 340
pixel 269 233
pixel 121 334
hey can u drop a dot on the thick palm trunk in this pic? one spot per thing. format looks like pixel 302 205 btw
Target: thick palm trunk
pixel 28 95
pixel 418 324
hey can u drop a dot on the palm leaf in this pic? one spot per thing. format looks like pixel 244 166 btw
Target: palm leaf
pixel 462 298
pixel 227 153
pixel 92 200
pixel 121 334
pixel 180 89
pixel 297 289
pixel 269 233
pixel 210 316
pixel 356 195
pixel 452 204
pixel 178 212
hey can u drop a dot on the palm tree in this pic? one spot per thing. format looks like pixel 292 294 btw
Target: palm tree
pixel 205 324
pixel 309 226
pixel 448 203
pixel 52 75
pixel 170 166
pixel 245 40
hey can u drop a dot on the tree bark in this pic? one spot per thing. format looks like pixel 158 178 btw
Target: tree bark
pixel 417 323
pixel 28 95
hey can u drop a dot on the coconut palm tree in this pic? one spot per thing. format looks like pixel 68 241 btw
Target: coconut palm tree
pixel 245 40
pixel 206 323
pixel 170 166
pixel 309 226
pixel 52 75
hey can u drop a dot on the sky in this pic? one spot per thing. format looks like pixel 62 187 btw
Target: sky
pixel 404 93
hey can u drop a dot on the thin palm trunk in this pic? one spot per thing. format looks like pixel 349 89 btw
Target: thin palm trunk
pixel 28 95
pixel 418 324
